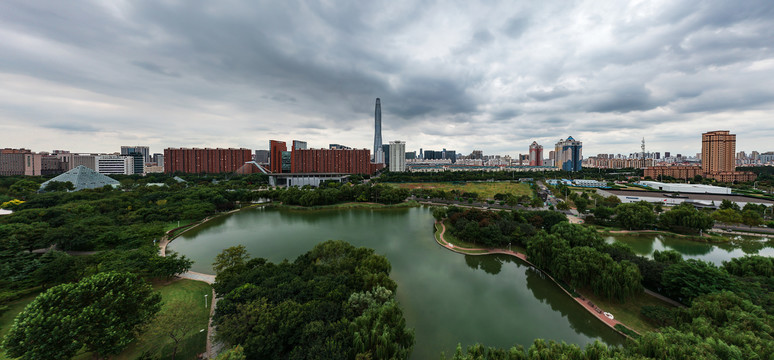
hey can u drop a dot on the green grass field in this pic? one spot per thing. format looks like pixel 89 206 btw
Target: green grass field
pixel 628 313
pixel 485 190
pixel 179 290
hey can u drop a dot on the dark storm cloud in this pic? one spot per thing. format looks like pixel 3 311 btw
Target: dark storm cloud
pixel 214 71
pixel 546 95
pixel 155 68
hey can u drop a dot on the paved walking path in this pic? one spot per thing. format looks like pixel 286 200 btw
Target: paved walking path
pixel 588 305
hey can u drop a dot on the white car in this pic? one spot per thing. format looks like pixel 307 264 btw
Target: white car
pixel 609 315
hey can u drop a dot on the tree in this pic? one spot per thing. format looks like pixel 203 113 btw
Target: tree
pixel 751 218
pixel 59 186
pixel 635 215
pixel 685 218
pixel 23 188
pixel 728 204
pixel 176 322
pixel 103 313
pixel 728 216
pixel 686 280
pixel 230 257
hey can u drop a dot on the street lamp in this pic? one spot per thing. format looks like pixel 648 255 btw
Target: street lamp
pixel 205 301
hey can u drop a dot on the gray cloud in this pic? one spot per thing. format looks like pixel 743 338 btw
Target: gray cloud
pixel 493 76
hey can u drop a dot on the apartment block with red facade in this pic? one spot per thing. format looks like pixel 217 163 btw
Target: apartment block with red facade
pixel 205 160
pixel 354 161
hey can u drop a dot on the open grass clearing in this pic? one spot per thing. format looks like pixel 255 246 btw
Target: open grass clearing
pixel 629 312
pixel 485 190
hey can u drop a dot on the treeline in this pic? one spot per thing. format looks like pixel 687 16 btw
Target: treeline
pixel 750 215
pixel 330 193
pixel 444 176
pixel 334 302
pixel 497 229
pixel 683 218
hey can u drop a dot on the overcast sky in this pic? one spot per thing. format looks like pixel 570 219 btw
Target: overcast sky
pixel 91 76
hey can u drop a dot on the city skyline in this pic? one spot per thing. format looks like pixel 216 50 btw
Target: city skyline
pixel 464 76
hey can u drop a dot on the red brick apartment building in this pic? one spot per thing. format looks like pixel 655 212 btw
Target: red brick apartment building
pixel 196 161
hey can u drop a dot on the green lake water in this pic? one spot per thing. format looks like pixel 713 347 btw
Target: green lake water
pixel 645 244
pixel 448 298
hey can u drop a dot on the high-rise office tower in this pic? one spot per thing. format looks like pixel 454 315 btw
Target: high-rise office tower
pixel 535 154
pixel 717 151
pixel 144 150
pixel 568 154
pixel 378 152
pixel 397 156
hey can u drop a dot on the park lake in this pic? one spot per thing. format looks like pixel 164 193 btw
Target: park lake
pixel 447 298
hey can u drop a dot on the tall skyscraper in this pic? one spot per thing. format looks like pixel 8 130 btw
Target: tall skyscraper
pixel 378 152
pixel 717 151
pixel 397 156
pixel 535 154
pixel 568 154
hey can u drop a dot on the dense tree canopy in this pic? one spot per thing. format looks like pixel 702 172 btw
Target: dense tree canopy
pixel 102 313
pixel 334 302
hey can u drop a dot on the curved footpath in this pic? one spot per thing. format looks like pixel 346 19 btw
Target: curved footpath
pixel 588 305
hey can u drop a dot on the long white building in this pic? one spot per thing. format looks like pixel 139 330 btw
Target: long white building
pixel 686 188
pixel 114 164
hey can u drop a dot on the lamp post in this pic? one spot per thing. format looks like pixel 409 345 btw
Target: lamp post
pixel 205 301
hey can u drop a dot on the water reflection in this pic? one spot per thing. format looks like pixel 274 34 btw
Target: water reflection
pixel 490 264
pixel 646 244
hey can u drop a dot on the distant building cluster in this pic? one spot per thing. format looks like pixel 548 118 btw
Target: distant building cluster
pixel 718 149
pixel 131 160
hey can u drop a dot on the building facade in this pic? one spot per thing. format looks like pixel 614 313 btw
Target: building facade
pixel 275 155
pixel 261 156
pixel 569 154
pixel 397 156
pixel 535 154
pixel 355 161
pixel 213 161
pixel 717 151
pixel 144 150
pixel 115 164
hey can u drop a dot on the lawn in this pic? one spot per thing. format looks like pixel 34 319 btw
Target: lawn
pixel 485 190
pixel 6 319
pixel 628 313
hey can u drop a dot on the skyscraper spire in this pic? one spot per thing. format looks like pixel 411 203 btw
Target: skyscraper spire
pixel 378 152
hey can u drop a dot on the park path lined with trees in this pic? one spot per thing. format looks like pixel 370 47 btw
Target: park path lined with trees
pixel 598 313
